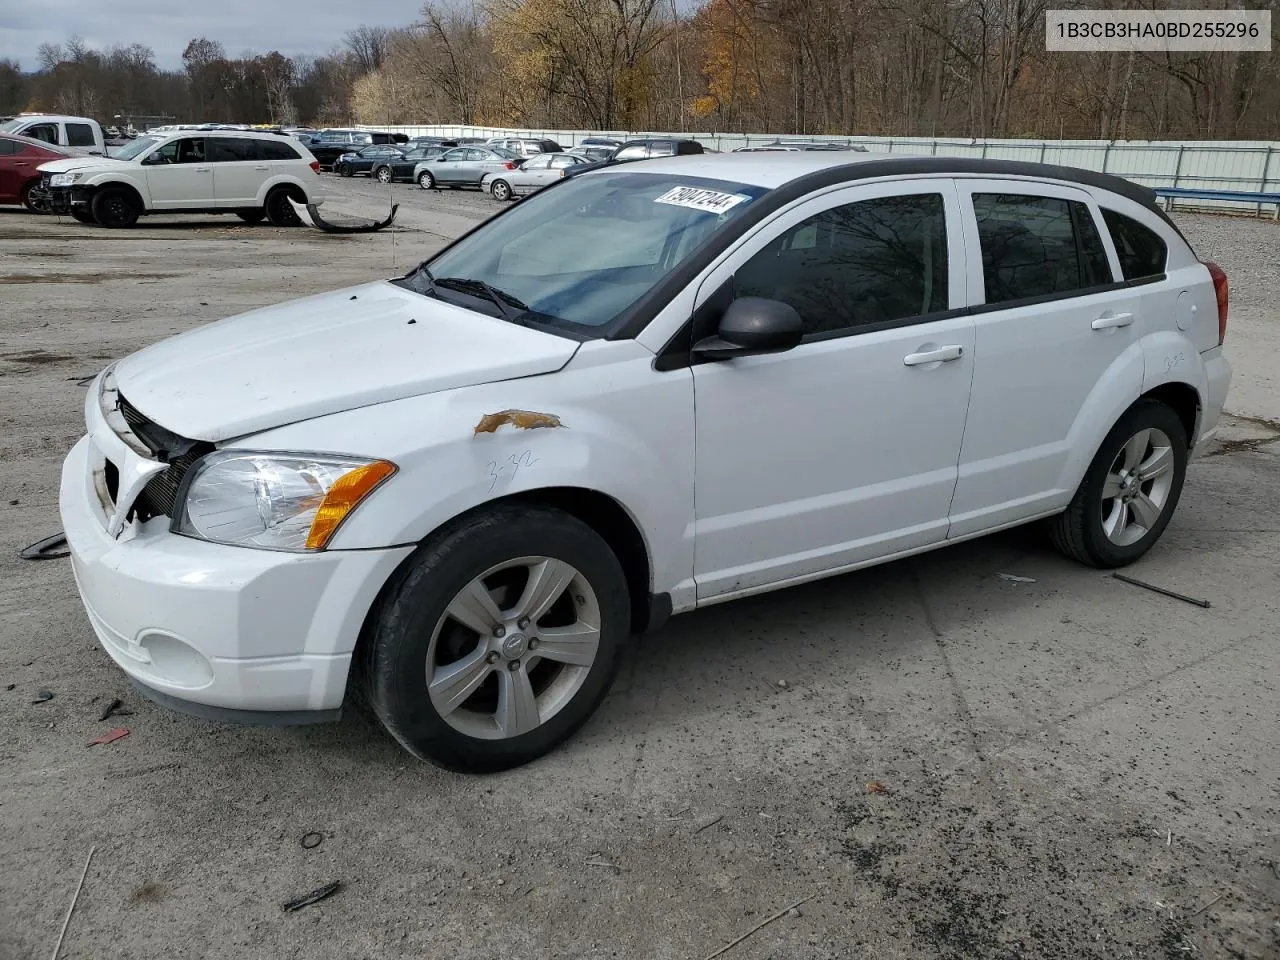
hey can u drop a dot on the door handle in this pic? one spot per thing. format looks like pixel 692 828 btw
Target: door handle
pixel 1106 323
pixel 204 169
pixel 934 355
pixel 264 167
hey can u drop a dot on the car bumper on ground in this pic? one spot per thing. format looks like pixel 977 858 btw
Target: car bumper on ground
pixel 224 632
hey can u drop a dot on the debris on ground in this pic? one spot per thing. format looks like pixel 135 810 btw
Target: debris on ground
pixel 111 736
pixel 115 708
pixel 1161 590
pixel 1011 578
pixel 50 548
pixel 794 910
pixel 310 214
pixel 315 896
pixel 710 823
pixel 57 947
pixel 875 786
pixel 311 840
pixel 43 696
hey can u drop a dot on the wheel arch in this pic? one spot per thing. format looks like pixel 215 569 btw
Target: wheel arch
pixel 1184 400
pixel 97 187
pixel 290 186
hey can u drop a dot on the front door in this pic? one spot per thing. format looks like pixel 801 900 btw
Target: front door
pixel 1053 325
pixel 179 175
pixel 844 449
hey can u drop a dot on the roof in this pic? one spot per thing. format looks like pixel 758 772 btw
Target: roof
pixel 815 169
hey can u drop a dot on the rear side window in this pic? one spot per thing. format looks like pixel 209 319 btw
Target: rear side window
pixel 47 132
pixel 232 150
pixel 637 151
pixel 8 148
pixel 1141 251
pixel 80 135
pixel 1037 246
pixel 871 262
pixel 275 150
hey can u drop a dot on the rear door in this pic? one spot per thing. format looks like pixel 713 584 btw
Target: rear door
pixel 180 175
pixel 238 171
pixel 532 174
pixel 1056 348
pixel 10 180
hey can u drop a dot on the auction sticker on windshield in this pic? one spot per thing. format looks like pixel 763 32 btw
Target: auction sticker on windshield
pixel 711 201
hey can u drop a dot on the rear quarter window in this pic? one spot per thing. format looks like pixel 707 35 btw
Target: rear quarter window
pixel 1141 251
pixel 276 150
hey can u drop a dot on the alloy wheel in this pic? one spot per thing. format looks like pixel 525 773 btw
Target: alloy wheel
pixel 513 647
pixel 1137 487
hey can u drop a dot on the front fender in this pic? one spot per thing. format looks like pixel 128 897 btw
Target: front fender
pixel 617 428
pixel 117 178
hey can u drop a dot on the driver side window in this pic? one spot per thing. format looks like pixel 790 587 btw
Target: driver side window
pixel 868 263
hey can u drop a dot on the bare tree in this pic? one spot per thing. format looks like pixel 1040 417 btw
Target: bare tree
pixel 368 46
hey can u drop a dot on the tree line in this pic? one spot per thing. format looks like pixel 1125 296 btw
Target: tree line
pixel 972 68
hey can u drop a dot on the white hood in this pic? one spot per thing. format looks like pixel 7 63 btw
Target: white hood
pixel 76 163
pixel 324 354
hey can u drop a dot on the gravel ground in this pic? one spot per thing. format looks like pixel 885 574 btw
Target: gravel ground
pixel 938 762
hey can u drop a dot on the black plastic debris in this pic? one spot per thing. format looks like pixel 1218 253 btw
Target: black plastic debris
pixel 43 696
pixel 311 840
pixel 115 708
pixel 315 896
pixel 50 548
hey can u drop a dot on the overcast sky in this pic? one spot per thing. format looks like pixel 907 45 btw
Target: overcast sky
pixel 290 26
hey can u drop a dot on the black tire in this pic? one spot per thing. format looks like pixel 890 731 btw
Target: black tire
pixel 1078 532
pixel 426 181
pixel 344 171
pixel 33 198
pixel 115 207
pixel 501 190
pixel 382 174
pixel 84 215
pixel 279 211
pixel 252 215
pixel 394 653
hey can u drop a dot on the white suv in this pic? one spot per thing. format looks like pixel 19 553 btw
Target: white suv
pixel 722 375
pixel 250 174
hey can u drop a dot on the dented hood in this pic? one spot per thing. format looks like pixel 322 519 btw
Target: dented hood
pixel 325 354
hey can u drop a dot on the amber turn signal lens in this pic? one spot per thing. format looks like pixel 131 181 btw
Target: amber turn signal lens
pixel 343 497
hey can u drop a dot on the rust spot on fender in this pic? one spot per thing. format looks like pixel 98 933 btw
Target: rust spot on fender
pixel 520 419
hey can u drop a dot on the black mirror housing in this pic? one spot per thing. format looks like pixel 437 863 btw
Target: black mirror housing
pixel 750 326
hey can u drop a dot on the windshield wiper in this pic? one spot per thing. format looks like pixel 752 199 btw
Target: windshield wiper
pixel 510 307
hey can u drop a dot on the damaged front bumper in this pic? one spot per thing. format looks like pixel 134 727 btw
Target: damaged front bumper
pixel 63 199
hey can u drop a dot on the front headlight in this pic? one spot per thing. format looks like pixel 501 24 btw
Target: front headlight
pixel 275 501
pixel 64 179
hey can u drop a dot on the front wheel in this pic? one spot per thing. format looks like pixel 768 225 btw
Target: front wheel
pixel 344 171
pixel 425 180
pixel 115 207
pixel 1130 490
pixel 382 174
pixel 501 190
pixel 498 640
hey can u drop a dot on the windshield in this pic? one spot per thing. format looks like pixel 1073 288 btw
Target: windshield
pixel 9 126
pixel 136 147
pixel 576 256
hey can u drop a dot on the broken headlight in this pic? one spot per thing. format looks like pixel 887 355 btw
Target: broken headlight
pixel 274 501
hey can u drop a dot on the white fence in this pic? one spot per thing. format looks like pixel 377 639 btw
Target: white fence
pixel 1208 165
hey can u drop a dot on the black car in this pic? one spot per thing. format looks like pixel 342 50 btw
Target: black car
pixel 327 145
pixel 642 150
pixel 364 159
pixel 401 167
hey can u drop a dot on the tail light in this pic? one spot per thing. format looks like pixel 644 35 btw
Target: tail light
pixel 1220 288
pixel 315 166
pixel 509 165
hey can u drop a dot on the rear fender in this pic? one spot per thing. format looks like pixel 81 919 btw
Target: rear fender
pixel 1115 391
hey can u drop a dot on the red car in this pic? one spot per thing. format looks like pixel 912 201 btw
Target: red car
pixel 20 159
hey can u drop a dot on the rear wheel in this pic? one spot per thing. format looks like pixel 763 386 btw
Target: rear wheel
pixel 252 215
pixel 501 190
pixel 115 207
pixel 279 211
pixel 382 174
pixel 426 181
pixel 498 640
pixel 1130 490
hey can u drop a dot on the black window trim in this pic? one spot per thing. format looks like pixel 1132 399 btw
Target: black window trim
pixel 1110 234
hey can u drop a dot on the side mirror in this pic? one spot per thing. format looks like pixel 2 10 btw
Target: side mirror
pixel 750 326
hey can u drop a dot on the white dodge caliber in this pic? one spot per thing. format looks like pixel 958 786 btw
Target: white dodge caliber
pixel 648 388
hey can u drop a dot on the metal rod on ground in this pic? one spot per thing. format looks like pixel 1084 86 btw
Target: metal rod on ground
pixel 762 924
pixel 1168 593
pixel 57 947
